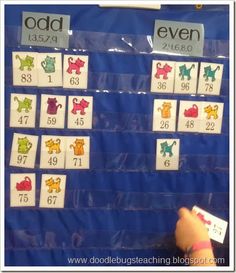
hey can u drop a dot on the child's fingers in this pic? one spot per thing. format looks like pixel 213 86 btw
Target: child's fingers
pixel 183 212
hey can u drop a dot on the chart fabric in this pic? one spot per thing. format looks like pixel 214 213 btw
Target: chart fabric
pixel 120 205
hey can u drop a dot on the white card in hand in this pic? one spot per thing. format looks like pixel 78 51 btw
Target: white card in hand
pixel 216 227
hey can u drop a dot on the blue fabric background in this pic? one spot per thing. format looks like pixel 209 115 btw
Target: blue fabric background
pixel 121 206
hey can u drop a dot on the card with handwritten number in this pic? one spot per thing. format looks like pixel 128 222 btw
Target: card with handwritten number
pixel 216 227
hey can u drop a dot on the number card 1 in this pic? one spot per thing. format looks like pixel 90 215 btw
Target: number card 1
pixel 210 78
pixel 49 67
pixel 23 151
pixel 167 154
pixel 216 227
pixel 77 152
pixel 52 114
pixel 75 71
pixel 211 118
pixel 22 190
pixel 164 115
pixel 189 116
pixel 52 194
pixel 80 112
pixel 52 152
pixel 24 66
pixel 186 74
pixel 23 110
pixel 163 74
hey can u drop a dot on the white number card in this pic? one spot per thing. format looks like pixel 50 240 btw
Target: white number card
pixel 49 69
pixel 163 76
pixel 52 194
pixel 22 190
pixel 52 152
pixel 186 74
pixel 77 152
pixel 23 151
pixel 212 116
pixel 24 66
pixel 210 78
pixel 216 227
pixel 75 71
pixel 52 114
pixel 167 154
pixel 164 115
pixel 23 110
pixel 189 116
pixel 80 112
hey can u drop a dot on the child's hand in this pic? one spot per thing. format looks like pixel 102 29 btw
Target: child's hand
pixel 189 229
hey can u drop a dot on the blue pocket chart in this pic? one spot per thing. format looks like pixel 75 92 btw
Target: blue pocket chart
pixel 99 194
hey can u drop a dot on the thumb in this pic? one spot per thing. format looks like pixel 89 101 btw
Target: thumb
pixel 183 212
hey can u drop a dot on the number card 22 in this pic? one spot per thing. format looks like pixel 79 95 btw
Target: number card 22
pixel 52 194
pixel 212 116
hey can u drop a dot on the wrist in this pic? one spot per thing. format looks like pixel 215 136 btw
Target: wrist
pixel 200 245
